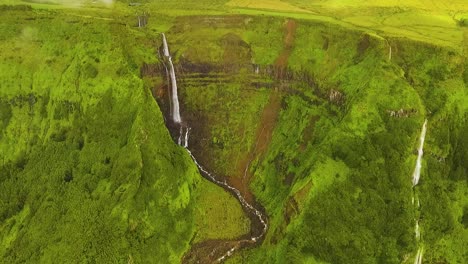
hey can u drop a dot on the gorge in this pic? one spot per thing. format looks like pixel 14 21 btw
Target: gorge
pixel 183 140
pixel 229 131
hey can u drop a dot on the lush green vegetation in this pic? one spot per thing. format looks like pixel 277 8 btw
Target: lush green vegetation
pixel 321 102
pixel 359 207
pixel 88 169
pixel 336 178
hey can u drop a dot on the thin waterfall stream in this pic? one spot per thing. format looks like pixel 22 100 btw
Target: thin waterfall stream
pixel 183 140
pixel 417 206
pixel 175 111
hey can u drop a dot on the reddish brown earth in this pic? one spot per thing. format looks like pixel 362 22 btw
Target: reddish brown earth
pixel 308 133
pixel 159 92
pixel 281 62
pixel 262 140
pixel 241 180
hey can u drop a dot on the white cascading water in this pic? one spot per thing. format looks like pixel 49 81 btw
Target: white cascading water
pixel 389 52
pixel 175 112
pixel 416 176
pixel 416 230
pixel 183 136
pixel 183 140
pixel 417 169
pixel 187 131
pixel 419 256
pixel 179 140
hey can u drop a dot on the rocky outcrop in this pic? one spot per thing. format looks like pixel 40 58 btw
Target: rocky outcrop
pixel 402 112
pixel 336 97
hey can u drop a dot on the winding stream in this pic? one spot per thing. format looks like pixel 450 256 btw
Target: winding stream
pixel 183 140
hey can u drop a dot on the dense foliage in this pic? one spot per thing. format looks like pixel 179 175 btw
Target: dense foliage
pixel 319 118
pixel 88 170
pixel 336 176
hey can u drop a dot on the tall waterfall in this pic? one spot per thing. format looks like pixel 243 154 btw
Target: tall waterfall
pixel 183 140
pixel 416 176
pixel 175 112
pixel 417 169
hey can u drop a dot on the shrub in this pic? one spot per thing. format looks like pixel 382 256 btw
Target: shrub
pixel 15 7
pixel 463 22
pixel 89 71
pixel 5 114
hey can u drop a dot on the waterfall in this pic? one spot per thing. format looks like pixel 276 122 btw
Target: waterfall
pixel 165 47
pixel 186 137
pixel 416 176
pixel 183 140
pixel 419 256
pixel 179 140
pixel 183 136
pixel 175 112
pixel 389 53
pixel 416 230
pixel 389 49
pixel 417 169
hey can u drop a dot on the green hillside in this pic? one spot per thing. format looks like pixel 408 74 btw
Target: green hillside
pixel 311 109
pixel 89 171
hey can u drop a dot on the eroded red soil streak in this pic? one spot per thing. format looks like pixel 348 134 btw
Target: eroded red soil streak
pixel 268 120
pixel 159 92
pixel 262 140
pixel 281 62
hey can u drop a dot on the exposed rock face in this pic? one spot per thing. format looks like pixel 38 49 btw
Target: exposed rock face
pixel 151 69
pixel 402 112
pixel 336 97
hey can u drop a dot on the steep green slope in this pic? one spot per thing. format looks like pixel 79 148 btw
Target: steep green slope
pixel 88 170
pixel 321 121
pixel 358 209
pixel 333 163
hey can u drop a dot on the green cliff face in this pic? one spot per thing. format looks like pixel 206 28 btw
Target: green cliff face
pixel 319 121
pixel 88 170
pixel 326 121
